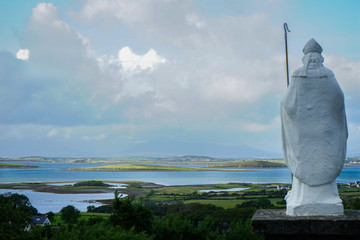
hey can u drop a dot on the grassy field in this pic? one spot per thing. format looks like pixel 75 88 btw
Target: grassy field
pixel 142 167
pixel 225 199
pixel 83 216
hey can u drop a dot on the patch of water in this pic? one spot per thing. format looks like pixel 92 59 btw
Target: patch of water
pixel 224 190
pixel 45 202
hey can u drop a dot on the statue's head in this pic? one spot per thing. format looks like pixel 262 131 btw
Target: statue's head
pixel 312 58
pixel 312 46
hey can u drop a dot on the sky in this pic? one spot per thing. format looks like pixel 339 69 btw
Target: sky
pixel 96 77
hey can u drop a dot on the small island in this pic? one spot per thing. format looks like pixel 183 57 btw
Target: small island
pixel 13 165
pixel 251 164
pixel 145 167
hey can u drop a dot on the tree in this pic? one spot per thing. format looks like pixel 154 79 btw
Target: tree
pixel 70 214
pixel 351 203
pixel 50 215
pixel 128 214
pixel 15 213
pixel 259 203
pixel 91 208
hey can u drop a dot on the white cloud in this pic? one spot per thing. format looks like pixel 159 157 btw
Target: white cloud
pixel 347 72
pixel 67 133
pixel 97 137
pixel 229 88
pixel 23 54
pixel 26 131
pixel 129 61
pixel 52 133
pixel 47 14
pixel 128 11
pixel 257 127
pixel 221 62
pixel 132 61
pixel 55 45
pixel 194 20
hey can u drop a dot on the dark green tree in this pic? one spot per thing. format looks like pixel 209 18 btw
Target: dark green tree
pixel 176 227
pixel 259 203
pixel 351 203
pixel 15 214
pixel 70 214
pixel 91 208
pixel 129 214
pixel 241 230
pixel 50 215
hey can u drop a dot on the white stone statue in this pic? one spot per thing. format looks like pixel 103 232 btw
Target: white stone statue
pixel 314 134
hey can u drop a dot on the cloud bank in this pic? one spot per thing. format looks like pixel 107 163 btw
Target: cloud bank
pixel 195 77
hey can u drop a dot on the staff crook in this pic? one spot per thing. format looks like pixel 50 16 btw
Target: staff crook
pixel 286 29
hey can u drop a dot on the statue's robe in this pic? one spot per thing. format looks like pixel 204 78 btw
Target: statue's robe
pixel 314 126
pixel 314 133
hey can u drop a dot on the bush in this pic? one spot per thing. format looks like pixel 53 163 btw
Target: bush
pixel 91 183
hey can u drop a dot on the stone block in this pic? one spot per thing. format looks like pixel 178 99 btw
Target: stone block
pixel 275 224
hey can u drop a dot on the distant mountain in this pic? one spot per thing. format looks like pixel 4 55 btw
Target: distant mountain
pixel 169 147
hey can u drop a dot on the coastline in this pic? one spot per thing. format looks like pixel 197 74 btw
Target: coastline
pixel 53 195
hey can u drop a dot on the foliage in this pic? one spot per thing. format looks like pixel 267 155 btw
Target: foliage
pixel 50 215
pixel 15 214
pixel 87 231
pixel 129 214
pixel 259 203
pixel 100 209
pixel 278 193
pixel 242 230
pixel 133 220
pixel 70 214
pixel 176 227
pixel 352 203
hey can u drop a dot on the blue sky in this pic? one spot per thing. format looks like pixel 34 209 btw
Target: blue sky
pixel 93 78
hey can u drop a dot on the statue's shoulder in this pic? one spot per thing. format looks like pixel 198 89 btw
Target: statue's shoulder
pixel 327 72
pixel 318 72
pixel 299 72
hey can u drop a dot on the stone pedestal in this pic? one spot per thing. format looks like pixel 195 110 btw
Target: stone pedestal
pixel 275 224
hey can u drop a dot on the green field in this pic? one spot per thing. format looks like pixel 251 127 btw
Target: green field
pixel 142 167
